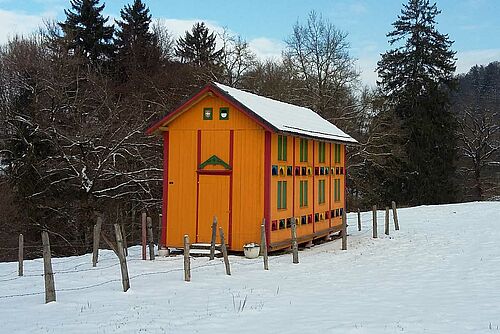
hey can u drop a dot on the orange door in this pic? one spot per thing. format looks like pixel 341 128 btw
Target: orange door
pixel 213 200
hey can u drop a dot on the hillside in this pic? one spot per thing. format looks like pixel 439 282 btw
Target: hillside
pixel 440 273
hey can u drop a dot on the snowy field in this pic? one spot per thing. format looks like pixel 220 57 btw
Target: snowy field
pixel 439 274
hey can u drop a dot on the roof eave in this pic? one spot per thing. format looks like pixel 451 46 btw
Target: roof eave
pixel 210 87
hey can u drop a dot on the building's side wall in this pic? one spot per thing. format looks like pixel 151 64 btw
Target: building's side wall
pixel 238 141
pixel 318 215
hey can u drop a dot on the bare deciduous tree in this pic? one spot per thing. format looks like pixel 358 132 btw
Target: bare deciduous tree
pixel 318 54
pixel 479 135
pixel 236 59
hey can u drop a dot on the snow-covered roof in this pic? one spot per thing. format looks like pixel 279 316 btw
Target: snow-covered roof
pixel 288 117
pixel 271 114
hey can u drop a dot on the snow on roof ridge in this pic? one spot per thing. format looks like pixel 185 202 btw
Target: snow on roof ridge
pixel 222 86
pixel 286 116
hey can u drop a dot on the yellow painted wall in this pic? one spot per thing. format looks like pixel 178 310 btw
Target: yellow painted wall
pixel 247 178
pixel 248 187
pixel 248 175
pixel 181 207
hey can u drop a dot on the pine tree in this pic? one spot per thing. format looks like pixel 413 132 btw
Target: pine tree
pixel 198 47
pixel 135 43
pixel 416 78
pixel 86 32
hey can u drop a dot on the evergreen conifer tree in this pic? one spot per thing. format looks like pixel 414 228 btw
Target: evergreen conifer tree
pixel 416 78
pixel 198 47
pixel 86 32
pixel 135 43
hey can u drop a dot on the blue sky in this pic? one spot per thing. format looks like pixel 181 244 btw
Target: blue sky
pixel 472 24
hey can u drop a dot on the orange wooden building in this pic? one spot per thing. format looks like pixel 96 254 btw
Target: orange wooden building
pixel 243 157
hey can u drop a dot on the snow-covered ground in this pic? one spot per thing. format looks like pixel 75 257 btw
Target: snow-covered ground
pixel 439 274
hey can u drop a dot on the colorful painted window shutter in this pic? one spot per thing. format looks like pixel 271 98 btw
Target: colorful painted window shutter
pixel 321 155
pixel 336 190
pixel 321 191
pixel 337 153
pixel 282 148
pixel 303 150
pixel 303 193
pixel 281 195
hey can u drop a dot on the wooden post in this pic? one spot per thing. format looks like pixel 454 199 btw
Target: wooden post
pixel 124 236
pixel 21 255
pixel 214 236
pixel 359 220
pixel 160 220
pixel 295 246
pixel 395 216
pixel 151 240
pixel 187 264
pixel 122 258
pixel 143 234
pixel 263 244
pixel 97 238
pixel 374 221
pixel 344 230
pixel 50 289
pixel 109 243
pixel 386 220
pixel 133 227
pixel 224 251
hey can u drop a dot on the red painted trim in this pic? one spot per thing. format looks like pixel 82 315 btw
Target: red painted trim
pixel 231 155
pixel 214 172
pixel 345 182
pixel 241 107
pixel 221 94
pixel 183 106
pixel 330 188
pixel 293 178
pixel 198 162
pixel 163 241
pixel 314 190
pixel 267 185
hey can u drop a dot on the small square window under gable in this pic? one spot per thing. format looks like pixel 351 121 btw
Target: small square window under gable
pixel 224 113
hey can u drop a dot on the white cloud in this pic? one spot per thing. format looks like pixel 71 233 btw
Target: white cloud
pixel 366 66
pixel 266 48
pixel 358 8
pixel 263 47
pixel 178 27
pixel 467 59
pixel 12 23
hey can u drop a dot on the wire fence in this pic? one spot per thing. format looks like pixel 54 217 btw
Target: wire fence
pixel 365 218
pixel 210 264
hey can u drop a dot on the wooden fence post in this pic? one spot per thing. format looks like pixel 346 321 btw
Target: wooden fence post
pixel 160 224
pixel 295 246
pixel 344 230
pixel 395 216
pixel 151 240
pixel 21 255
pixel 374 221
pixel 97 238
pixel 359 220
pixel 263 244
pixel 224 251
pixel 133 227
pixel 187 264
pixel 50 289
pixel 124 236
pixel 214 236
pixel 143 234
pixel 122 258
pixel 386 220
